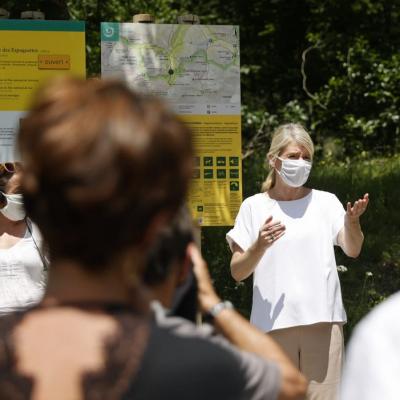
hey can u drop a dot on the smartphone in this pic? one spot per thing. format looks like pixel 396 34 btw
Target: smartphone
pixel 184 303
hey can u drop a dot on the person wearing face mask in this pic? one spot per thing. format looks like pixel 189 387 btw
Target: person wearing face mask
pixel 22 264
pixel 285 237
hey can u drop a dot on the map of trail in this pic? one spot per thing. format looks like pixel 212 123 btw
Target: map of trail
pixel 195 67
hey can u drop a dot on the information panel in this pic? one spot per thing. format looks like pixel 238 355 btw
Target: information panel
pixel 196 69
pixel 30 52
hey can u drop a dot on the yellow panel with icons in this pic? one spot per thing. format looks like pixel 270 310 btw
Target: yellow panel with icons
pixel 216 190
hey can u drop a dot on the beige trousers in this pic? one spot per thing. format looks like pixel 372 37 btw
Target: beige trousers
pixel 318 351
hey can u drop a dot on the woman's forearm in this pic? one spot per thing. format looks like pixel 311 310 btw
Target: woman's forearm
pixel 353 238
pixel 243 263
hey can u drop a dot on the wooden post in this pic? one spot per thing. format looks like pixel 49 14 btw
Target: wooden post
pixel 144 18
pixel 4 14
pixel 197 241
pixel 32 15
pixel 189 19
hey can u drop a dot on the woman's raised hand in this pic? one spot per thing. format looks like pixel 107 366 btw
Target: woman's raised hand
pixel 354 212
pixel 269 232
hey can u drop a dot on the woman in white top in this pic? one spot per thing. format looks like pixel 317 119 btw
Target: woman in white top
pixel 285 236
pixel 22 275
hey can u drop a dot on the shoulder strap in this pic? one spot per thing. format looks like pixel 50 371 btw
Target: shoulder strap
pixel 42 257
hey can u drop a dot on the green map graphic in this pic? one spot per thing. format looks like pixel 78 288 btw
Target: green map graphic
pixel 186 64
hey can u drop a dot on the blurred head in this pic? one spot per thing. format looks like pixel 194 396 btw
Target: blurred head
pixel 10 177
pixel 169 271
pixel 11 202
pixel 170 248
pixel 101 165
pixel 285 136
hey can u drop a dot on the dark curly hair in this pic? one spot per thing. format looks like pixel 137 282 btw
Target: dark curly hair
pixel 100 163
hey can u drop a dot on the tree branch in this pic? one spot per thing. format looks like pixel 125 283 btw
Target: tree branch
pixel 349 77
pixel 252 145
pixel 303 73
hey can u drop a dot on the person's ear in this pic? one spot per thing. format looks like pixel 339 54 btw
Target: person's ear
pixel 271 161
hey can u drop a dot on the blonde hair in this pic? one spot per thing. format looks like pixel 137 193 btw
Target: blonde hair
pixel 282 137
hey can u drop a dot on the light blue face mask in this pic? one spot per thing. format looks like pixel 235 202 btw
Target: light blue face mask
pixel 14 209
pixel 294 172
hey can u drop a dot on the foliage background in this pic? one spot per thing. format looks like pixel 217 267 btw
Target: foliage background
pixel 332 65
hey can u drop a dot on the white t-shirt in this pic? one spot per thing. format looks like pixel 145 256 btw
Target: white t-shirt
pixel 296 281
pixel 22 275
pixel 372 368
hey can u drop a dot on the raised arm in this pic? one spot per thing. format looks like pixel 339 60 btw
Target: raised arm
pixel 351 237
pixel 245 336
pixel 243 262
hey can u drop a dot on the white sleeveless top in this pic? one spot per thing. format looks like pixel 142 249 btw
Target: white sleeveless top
pixel 22 274
pixel 296 281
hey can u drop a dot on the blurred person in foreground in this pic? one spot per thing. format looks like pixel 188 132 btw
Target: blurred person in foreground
pixel 22 263
pixel 269 374
pixel 372 367
pixel 104 169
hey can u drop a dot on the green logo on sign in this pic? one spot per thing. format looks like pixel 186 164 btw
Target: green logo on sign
pixel 109 31
pixel 208 161
pixel 221 161
pixel 234 161
pixel 234 173
pixel 221 173
pixel 234 186
pixel 208 174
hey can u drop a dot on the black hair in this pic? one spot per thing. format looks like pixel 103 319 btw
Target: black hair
pixel 169 248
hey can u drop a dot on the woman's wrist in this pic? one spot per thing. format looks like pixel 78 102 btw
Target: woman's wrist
pixel 258 248
pixel 352 222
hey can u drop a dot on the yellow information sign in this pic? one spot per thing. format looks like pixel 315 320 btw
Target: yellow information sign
pixel 216 191
pixel 32 51
pixel 196 69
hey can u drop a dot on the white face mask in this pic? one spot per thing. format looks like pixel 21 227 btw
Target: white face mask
pixel 294 172
pixel 14 209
